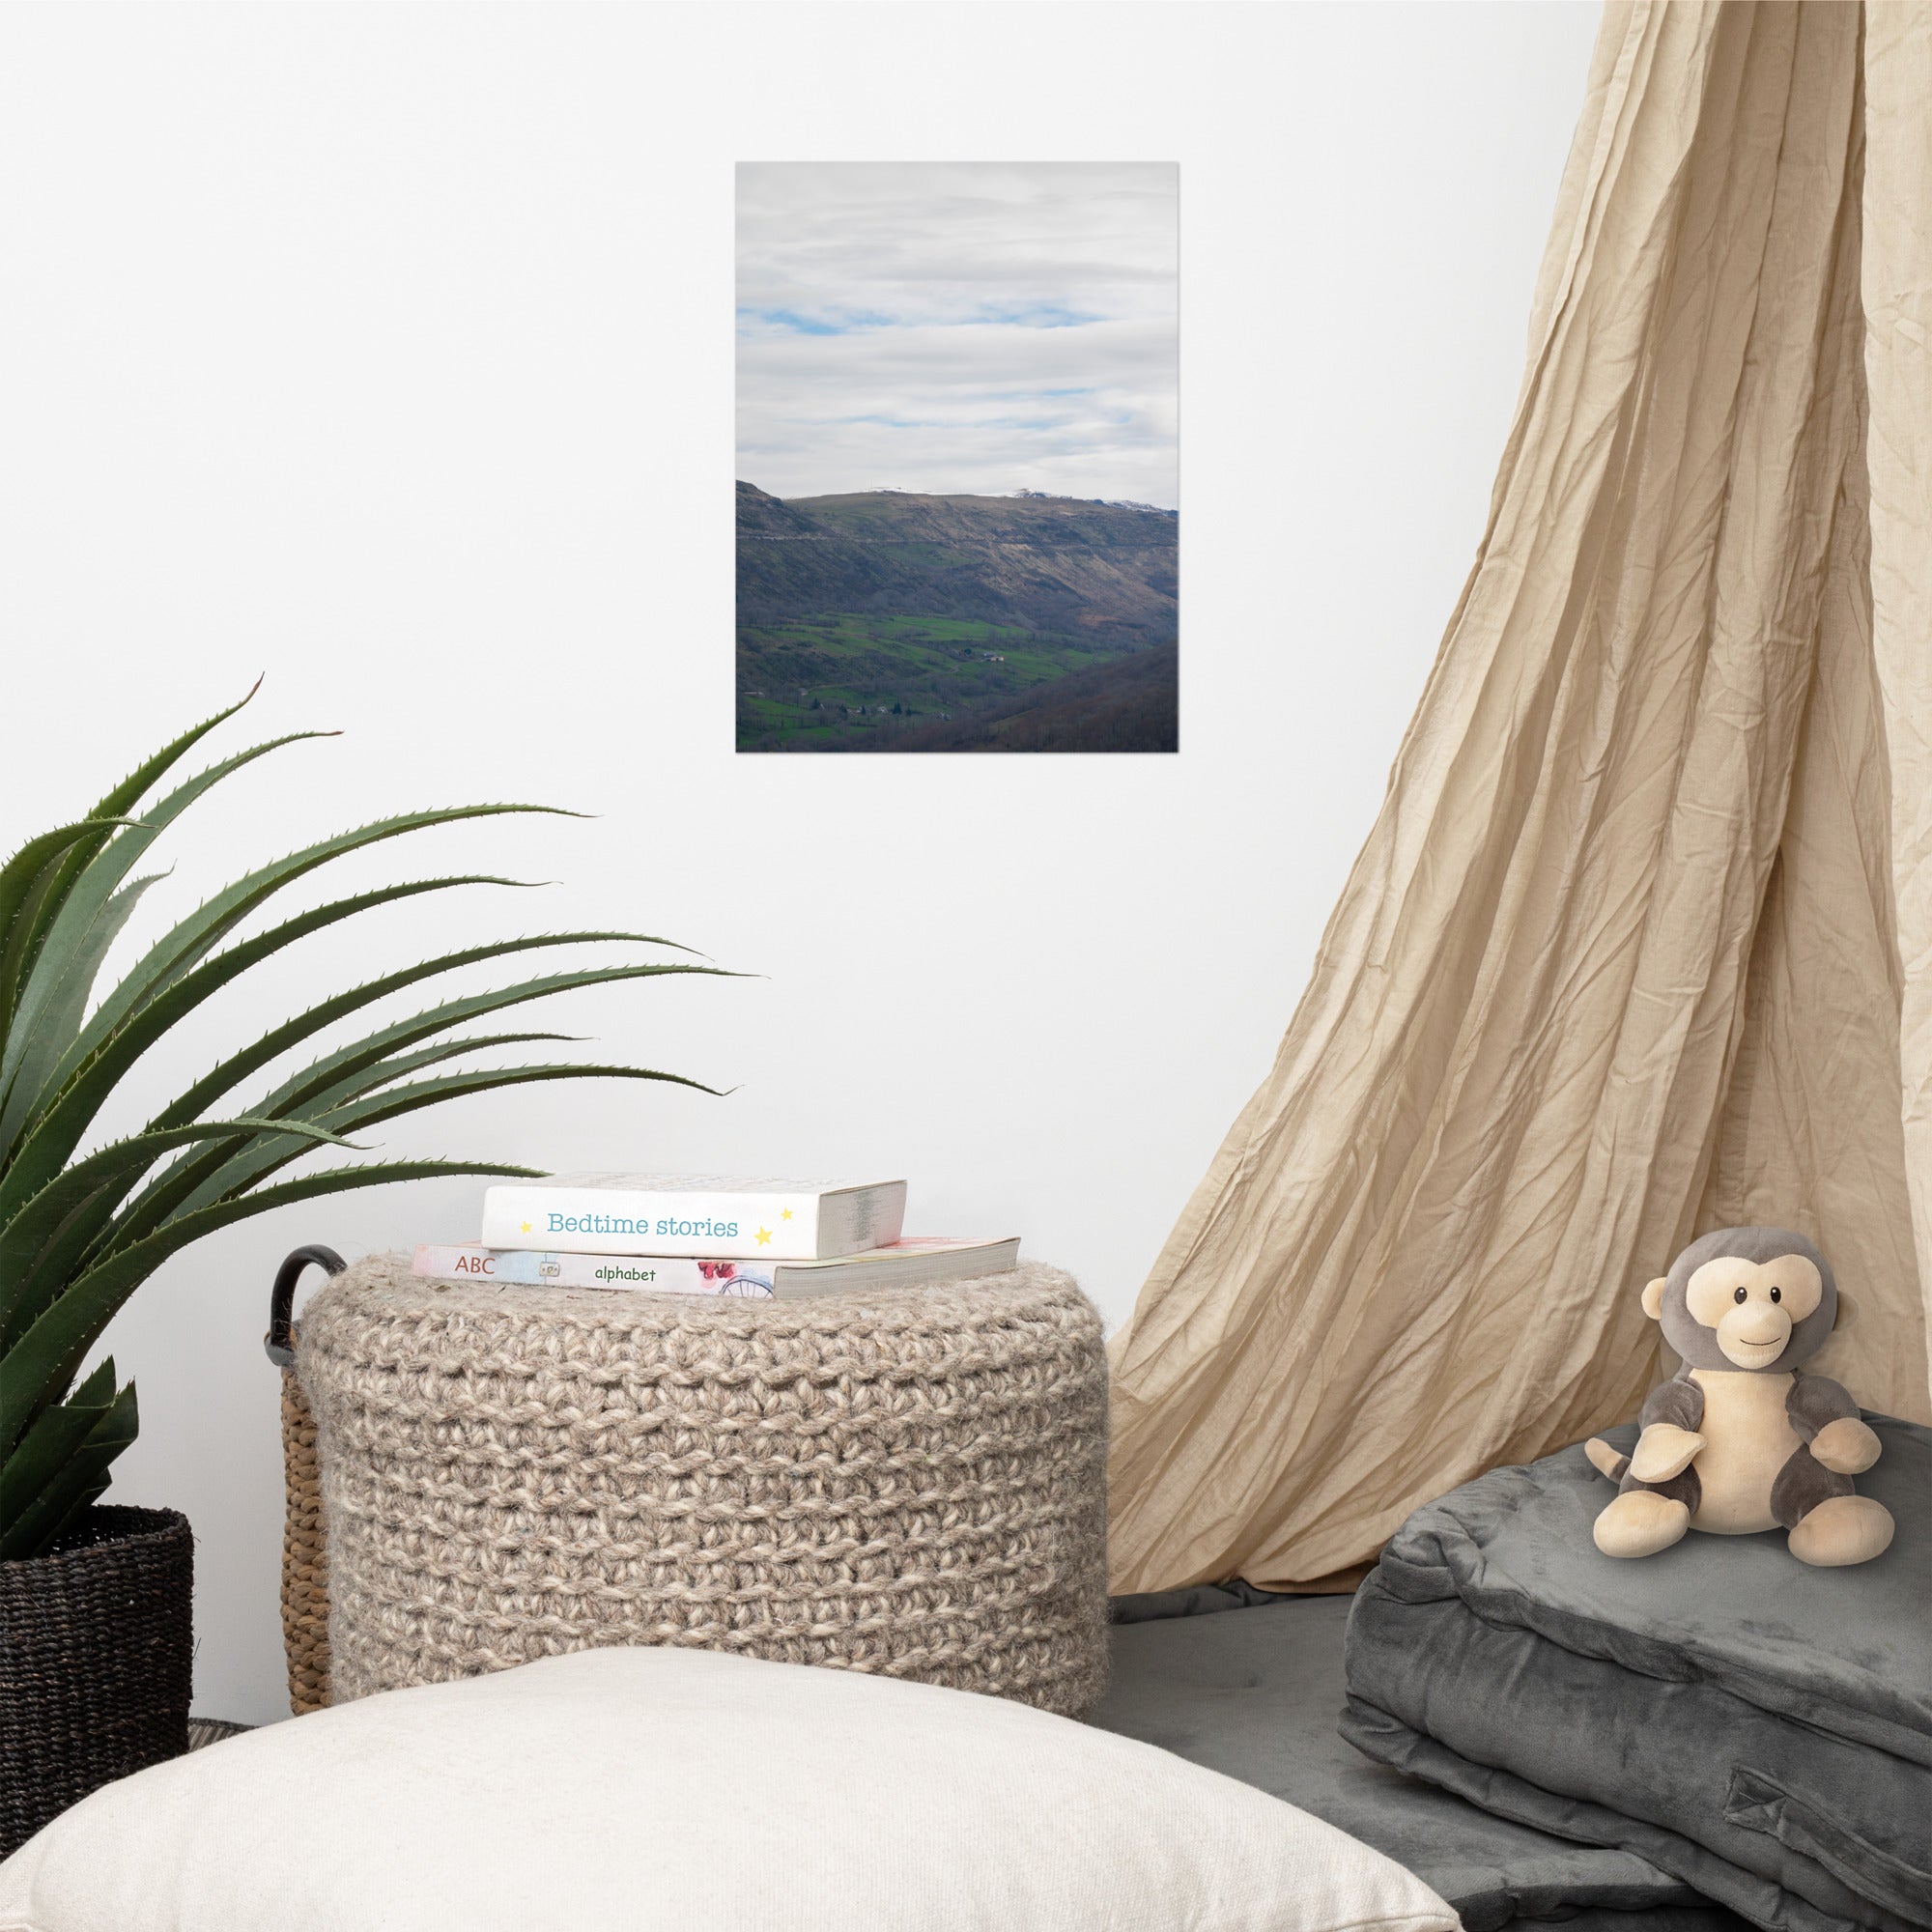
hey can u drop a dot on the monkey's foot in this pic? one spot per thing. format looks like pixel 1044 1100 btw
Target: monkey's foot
pixel 1641 1522
pixel 1846 1447
pixel 1606 1461
pixel 1663 1451
pixel 1841 1531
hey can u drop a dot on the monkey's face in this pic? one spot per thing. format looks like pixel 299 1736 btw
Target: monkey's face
pixel 1761 1300
pixel 1753 1306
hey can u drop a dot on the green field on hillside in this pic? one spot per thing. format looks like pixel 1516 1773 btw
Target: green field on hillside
pixel 884 615
pixel 841 679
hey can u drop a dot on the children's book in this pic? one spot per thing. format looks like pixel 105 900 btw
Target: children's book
pixel 694 1214
pixel 916 1260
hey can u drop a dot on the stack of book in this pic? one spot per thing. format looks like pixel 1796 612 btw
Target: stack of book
pixel 703 1234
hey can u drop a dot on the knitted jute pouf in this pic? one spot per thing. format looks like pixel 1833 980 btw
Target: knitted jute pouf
pixel 906 1481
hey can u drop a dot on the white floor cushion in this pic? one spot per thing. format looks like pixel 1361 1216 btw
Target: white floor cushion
pixel 633 1790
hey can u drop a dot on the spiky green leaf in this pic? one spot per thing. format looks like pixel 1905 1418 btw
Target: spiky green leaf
pixel 62 947
pixel 58 1128
pixel 48 1445
pixel 50 890
pixel 60 1019
pixel 37 1367
pixel 36 863
pixel 76 1479
pixel 261 1157
pixel 195 937
pixel 180 1184
pixel 29 1228
pixel 229 1073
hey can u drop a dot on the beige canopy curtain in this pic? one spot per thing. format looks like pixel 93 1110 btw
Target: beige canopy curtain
pixel 1641 941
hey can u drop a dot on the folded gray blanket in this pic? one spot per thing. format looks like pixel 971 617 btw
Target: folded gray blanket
pixel 1249 1684
pixel 1760 1729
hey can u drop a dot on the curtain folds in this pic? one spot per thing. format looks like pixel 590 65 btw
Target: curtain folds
pixel 1638 942
pixel 1897 298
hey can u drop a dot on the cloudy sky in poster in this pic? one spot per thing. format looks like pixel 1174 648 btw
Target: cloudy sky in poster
pixel 979 327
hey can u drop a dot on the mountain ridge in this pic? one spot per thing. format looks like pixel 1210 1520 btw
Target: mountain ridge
pixel 1102 571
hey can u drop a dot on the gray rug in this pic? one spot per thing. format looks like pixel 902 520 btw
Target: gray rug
pixel 212 1730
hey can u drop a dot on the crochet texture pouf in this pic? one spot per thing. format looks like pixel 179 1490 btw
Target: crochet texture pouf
pixel 906 1481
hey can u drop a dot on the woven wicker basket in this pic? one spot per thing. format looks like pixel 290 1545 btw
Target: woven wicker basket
pixel 97 1651
pixel 304 1550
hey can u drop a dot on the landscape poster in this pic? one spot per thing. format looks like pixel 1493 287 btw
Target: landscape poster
pixel 957 506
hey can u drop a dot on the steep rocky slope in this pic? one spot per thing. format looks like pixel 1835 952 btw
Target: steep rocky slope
pixel 1099 571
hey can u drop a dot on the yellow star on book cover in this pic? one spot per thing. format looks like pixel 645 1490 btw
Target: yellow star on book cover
pixel 527 1227
pixel 764 1237
pixel 784 1213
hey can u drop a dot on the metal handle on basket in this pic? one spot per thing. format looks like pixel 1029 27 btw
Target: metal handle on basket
pixel 279 1343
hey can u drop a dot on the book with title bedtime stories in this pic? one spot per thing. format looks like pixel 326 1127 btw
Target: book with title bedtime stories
pixel 914 1262
pixel 694 1215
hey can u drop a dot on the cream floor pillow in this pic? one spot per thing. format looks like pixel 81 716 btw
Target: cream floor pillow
pixel 694 1792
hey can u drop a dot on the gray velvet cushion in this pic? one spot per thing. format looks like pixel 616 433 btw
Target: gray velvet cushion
pixel 1759 1729
pixel 1253 1692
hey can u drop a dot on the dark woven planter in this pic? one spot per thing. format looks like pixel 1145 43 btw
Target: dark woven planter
pixel 95 1656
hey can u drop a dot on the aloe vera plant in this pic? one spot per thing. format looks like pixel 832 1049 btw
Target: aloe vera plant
pixel 80 1231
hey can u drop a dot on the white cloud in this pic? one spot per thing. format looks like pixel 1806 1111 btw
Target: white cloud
pixel 979 327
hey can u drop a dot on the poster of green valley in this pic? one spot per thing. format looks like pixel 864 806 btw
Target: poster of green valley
pixel 957 457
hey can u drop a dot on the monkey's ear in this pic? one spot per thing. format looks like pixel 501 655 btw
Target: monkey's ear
pixel 1847 1314
pixel 1653 1296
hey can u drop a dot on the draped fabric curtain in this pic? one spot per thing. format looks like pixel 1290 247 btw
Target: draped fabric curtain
pixel 1641 941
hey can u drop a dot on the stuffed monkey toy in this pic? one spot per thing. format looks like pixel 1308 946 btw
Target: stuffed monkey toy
pixel 1740 1438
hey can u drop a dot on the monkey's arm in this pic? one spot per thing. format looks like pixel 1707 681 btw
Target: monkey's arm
pixel 1824 1414
pixel 1668 1420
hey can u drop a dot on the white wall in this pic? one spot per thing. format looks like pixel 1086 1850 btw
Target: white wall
pixel 388 352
